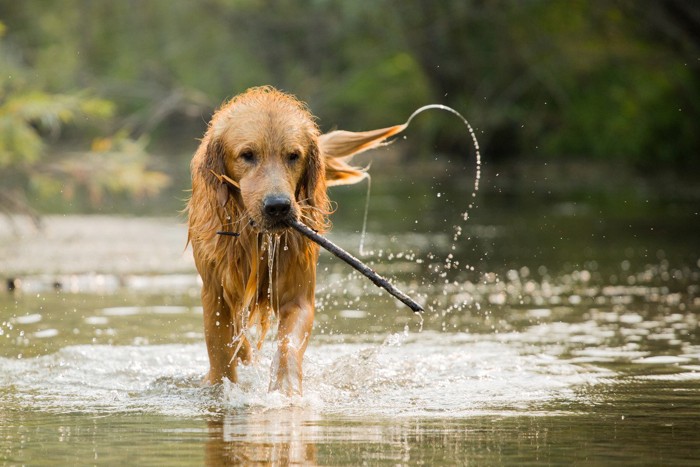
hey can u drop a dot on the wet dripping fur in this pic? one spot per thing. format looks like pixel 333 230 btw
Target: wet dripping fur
pixel 268 145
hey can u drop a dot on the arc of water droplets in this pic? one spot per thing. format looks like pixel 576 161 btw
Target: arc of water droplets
pixel 477 174
pixel 472 133
pixel 477 178
pixel 364 219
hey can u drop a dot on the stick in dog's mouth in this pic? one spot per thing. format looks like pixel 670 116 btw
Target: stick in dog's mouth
pixel 355 263
pixel 315 237
pixel 361 267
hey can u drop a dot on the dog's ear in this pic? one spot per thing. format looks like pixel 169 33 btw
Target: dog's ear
pixel 339 146
pixel 214 165
pixel 312 182
pixel 312 187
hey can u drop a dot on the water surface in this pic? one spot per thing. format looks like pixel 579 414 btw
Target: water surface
pixel 556 332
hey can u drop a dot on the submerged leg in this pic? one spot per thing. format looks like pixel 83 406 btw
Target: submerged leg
pixel 293 334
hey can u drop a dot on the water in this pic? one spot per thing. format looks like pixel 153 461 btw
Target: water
pixel 555 333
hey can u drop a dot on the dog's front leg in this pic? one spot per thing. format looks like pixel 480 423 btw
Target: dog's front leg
pixel 218 333
pixel 296 321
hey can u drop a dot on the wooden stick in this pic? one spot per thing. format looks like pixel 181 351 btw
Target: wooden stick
pixel 355 263
pixel 368 272
pixel 223 178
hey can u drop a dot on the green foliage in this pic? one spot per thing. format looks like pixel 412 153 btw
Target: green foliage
pixel 30 116
pixel 113 165
pixel 26 117
pixel 609 80
pixel 619 97
pixel 363 94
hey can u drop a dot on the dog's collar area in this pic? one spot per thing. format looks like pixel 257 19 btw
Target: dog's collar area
pixel 228 234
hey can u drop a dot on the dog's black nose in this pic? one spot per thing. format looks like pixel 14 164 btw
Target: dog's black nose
pixel 277 206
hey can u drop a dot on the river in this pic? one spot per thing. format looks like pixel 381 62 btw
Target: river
pixel 557 330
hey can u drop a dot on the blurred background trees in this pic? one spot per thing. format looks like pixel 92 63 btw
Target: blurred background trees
pixel 103 100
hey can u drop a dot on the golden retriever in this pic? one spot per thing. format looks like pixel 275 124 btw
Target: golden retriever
pixel 261 163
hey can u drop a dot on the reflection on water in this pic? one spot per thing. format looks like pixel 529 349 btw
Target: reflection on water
pixel 277 436
pixel 546 340
pixel 600 434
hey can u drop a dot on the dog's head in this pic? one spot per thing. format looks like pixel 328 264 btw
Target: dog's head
pixel 267 142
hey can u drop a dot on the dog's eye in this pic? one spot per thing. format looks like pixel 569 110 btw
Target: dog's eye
pixel 293 156
pixel 248 156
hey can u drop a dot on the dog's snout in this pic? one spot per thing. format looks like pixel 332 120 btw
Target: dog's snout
pixel 277 206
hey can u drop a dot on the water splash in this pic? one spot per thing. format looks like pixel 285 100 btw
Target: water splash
pixel 273 242
pixel 402 375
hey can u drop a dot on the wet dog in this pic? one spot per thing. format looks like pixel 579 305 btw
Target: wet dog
pixel 261 163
